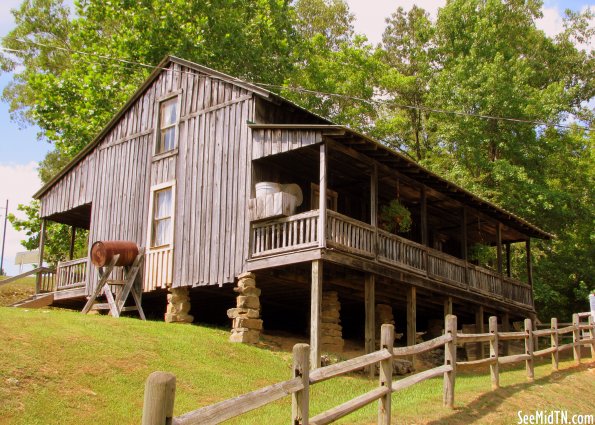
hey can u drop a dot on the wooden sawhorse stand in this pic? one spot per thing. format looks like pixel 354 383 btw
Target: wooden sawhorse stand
pixel 116 305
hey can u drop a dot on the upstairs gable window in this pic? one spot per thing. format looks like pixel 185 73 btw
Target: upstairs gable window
pixel 168 121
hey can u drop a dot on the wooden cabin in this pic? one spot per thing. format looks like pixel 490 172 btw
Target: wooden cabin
pixel 176 171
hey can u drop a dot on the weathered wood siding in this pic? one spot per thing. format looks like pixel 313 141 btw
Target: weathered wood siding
pixel 74 190
pixel 272 141
pixel 211 168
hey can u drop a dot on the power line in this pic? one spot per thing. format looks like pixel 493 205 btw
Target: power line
pixel 126 62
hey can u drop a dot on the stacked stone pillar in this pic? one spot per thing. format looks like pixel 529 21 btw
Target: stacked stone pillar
pixel 331 331
pixel 384 315
pixel 246 322
pixel 178 306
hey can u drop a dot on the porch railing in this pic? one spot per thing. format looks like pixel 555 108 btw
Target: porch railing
pixel 284 234
pixel 71 274
pixel 288 234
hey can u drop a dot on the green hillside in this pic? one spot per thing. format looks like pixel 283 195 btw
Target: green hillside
pixel 61 367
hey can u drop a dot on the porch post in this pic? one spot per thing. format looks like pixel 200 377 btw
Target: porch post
pixel 508 267
pixel 424 216
pixel 41 248
pixel 315 313
pixel 479 326
pixel 72 239
pixel 411 315
pixel 322 202
pixel 370 325
pixel 499 246
pixel 464 234
pixel 374 196
pixel 529 265
pixel 447 306
pixel 505 328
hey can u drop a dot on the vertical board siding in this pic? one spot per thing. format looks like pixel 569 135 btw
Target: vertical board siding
pixel 274 141
pixel 211 170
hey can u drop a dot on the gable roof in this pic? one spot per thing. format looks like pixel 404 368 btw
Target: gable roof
pixel 161 67
pixel 386 155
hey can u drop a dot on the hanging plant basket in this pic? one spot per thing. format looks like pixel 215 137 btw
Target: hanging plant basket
pixel 395 217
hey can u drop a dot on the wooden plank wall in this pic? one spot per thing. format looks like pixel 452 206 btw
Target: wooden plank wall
pixel 74 190
pixel 272 141
pixel 211 169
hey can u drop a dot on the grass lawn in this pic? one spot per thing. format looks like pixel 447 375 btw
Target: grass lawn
pixel 61 367
pixel 16 291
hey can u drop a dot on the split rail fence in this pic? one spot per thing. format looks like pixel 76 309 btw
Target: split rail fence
pixel 161 386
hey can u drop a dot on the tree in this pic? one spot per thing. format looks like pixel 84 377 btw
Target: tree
pixel 57 235
pixel 72 72
pixel 407 51
pixel 337 68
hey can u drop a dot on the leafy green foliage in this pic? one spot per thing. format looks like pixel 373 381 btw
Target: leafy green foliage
pixel 58 236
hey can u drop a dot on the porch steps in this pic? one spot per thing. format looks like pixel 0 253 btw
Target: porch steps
pixel 35 301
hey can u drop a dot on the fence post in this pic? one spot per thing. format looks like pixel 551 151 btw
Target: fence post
pixel 160 392
pixel 592 336
pixel 529 349
pixel 576 339
pixel 554 343
pixel 494 369
pixel 300 400
pixel 387 339
pixel 450 358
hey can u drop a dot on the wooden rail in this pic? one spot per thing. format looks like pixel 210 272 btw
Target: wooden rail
pixel 283 235
pixel 288 234
pixel 71 274
pixel 160 386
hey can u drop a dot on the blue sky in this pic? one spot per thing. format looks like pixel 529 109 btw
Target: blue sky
pixel 20 151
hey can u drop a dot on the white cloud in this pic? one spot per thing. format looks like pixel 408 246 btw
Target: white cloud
pixel 370 15
pixel 552 21
pixel 17 183
pixel 6 18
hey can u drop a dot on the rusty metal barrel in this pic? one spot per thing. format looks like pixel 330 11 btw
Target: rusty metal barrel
pixel 102 252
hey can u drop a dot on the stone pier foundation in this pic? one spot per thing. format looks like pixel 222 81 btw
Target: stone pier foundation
pixel 331 331
pixel 384 315
pixel 178 306
pixel 246 322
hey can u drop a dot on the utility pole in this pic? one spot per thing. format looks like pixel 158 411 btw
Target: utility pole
pixel 4 238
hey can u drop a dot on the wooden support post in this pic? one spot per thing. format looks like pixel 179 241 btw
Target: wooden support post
pixel 41 249
pixel 505 328
pixel 494 370
pixel 450 358
pixel 480 328
pixel 370 324
pixel 322 197
pixel 387 338
pixel 529 263
pixel 508 264
pixel 411 315
pixel 374 207
pixel 529 349
pixel 300 400
pixel 592 336
pixel 499 246
pixel 424 216
pixel 72 240
pixel 315 313
pixel 447 306
pixel 554 343
pixel 576 339
pixel 160 392
pixel 464 254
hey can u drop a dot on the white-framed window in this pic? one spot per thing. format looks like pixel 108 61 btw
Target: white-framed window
pixel 168 118
pixel 161 219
